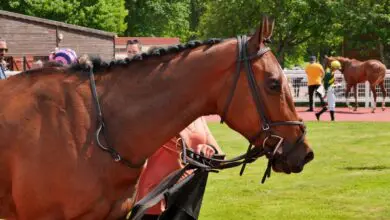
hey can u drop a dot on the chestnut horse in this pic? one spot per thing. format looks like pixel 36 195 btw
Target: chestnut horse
pixel 356 71
pixel 50 162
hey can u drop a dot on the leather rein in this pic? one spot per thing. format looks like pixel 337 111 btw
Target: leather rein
pixel 100 128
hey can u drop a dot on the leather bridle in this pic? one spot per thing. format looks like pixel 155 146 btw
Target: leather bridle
pixel 214 164
pixel 265 124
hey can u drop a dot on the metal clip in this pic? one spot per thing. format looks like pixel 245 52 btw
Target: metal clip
pixel 117 157
pixel 266 127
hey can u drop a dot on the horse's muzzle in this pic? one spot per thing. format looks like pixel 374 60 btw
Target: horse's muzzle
pixel 309 157
pixel 292 162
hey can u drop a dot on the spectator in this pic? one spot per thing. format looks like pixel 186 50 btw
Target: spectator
pixel 314 73
pixel 133 47
pixel 297 82
pixel 3 63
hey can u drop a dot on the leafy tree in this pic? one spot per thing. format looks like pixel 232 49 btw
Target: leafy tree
pixel 297 21
pixel 197 8
pixel 106 15
pixel 366 17
pixel 303 27
pixel 366 25
pixel 158 18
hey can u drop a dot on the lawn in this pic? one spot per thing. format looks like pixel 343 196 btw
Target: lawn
pixel 349 178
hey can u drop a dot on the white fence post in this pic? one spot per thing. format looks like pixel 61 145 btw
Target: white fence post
pixel 367 94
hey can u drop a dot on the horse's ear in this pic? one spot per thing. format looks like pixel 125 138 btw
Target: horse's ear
pixel 270 23
pixel 263 33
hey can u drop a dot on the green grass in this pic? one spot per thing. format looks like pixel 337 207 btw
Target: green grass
pixel 349 178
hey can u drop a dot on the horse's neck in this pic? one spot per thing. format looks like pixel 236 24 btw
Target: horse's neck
pixel 147 108
pixel 345 62
pixel 350 64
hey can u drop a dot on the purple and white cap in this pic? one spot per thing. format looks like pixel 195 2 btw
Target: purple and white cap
pixel 65 56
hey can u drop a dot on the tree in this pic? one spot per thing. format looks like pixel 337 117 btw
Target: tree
pixel 197 8
pixel 105 15
pixel 297 21
pixel 366 25
pixel 303 27
pixel 158 18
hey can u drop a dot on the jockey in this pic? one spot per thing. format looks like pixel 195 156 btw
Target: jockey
pixel 64 56
pixel 329 88
pixel 167 160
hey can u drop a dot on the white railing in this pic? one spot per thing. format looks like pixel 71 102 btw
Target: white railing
pixel 298 84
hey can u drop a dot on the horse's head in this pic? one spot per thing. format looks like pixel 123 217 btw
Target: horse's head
pixel 257 102
pixel 329 60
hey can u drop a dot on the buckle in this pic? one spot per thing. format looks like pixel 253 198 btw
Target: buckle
pixel 266 127
pixel 278 145
pixel 116 157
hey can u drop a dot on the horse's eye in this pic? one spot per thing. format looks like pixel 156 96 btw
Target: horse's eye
pixel 274 85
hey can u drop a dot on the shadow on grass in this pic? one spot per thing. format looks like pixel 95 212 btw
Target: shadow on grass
pixel 375 168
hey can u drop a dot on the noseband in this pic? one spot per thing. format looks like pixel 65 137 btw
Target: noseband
pixel 265 124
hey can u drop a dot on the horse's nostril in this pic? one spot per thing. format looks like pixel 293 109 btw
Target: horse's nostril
pixel 309 157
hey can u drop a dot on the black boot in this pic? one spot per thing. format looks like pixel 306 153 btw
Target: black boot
pixel 318 114
pixel 332 115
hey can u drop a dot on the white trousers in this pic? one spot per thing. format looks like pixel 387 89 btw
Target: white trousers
pixel 331 98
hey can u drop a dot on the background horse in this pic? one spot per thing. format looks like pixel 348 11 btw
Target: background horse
pixel 356 71
pixel 51 165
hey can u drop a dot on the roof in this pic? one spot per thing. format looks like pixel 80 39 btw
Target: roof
pixel 55 23
pixel 148 40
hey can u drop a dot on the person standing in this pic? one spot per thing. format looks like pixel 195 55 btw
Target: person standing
pixel 329 90
pixel 297 82
pixel 3 63
pixel 314 73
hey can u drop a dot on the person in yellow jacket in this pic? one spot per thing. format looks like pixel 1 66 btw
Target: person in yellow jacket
pixel 314 72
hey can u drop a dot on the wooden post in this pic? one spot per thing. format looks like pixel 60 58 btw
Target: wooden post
pixel 24 63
